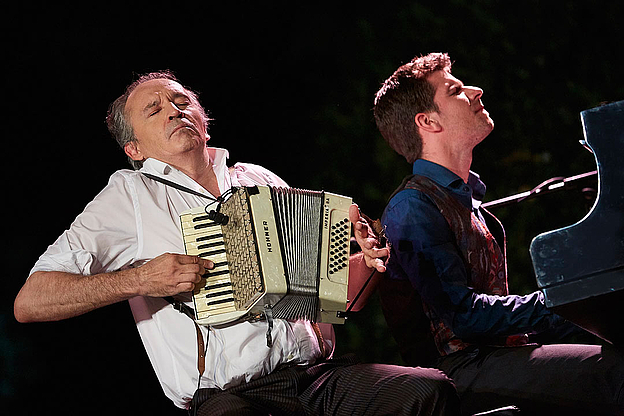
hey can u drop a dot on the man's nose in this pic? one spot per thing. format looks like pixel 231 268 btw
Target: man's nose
pixel 474 93
pixel 174 111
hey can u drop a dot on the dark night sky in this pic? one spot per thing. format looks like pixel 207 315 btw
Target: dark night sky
pixel 290 88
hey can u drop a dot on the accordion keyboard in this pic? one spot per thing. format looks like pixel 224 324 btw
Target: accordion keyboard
pixel 204 238
pixel 227 291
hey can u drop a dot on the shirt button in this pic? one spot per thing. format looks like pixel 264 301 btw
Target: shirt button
pixel 466 188
pixel 501 275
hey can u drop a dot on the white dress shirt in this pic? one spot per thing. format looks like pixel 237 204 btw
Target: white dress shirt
pixel 135 219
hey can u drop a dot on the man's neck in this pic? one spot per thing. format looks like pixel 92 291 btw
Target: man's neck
pixel 458 163
pixel 198 166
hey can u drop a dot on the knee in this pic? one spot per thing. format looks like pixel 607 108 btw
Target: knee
pixel 436 379
pixel 224 404
pixel 422 382
pixel 430 391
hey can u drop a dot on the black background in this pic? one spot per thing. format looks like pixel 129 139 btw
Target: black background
pixel 290 88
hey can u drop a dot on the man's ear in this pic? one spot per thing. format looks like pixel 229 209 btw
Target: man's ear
pixel 427 122
pixel 132 150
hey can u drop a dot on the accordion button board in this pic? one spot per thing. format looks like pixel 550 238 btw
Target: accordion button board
pixel 285 249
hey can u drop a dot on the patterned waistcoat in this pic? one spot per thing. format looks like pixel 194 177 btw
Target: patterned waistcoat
pixel 483 257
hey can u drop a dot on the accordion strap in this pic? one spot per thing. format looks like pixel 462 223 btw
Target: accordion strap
pixel 181 307
pixel 181 187
pixel 201 346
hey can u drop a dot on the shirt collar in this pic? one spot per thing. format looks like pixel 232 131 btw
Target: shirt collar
pixel 437 173
pixel 477 185
pixel 444 177
pixel 218 158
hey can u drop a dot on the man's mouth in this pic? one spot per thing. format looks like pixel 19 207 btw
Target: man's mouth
pixel 183 125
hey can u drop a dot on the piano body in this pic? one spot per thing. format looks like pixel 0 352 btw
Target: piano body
pixel 580 268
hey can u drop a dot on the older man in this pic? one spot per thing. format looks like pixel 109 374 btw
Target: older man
pixel 126 245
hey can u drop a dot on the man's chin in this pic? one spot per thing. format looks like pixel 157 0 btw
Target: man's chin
pixel 490 123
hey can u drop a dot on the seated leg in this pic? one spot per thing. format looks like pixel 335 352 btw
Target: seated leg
pixel 226 404
pixel 372 389
pixel 567 378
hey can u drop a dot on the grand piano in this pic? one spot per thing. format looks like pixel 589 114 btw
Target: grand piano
pixel 580 268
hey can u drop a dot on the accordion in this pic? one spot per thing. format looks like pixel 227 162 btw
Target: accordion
pixel 280 249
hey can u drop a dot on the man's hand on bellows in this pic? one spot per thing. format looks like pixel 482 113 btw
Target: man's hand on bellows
pixel 170 274
pixel 368 240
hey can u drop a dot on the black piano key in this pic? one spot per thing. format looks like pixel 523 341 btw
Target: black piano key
pixel 208 237
pixel 216 302
pixel 211 253
pixel 217 273
pixel 218 285
pixel 222 293
pixel 201 218
pixel 210 245
pixel 204 225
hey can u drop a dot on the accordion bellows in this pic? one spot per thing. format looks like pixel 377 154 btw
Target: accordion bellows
pixel 283 249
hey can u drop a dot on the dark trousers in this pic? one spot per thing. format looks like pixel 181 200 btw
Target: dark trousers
pixel 336 387
pixel 540 380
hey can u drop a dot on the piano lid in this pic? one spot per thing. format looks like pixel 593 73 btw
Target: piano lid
pixel 586 259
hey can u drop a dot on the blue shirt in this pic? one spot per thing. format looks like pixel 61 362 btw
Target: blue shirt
pixel 424 251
